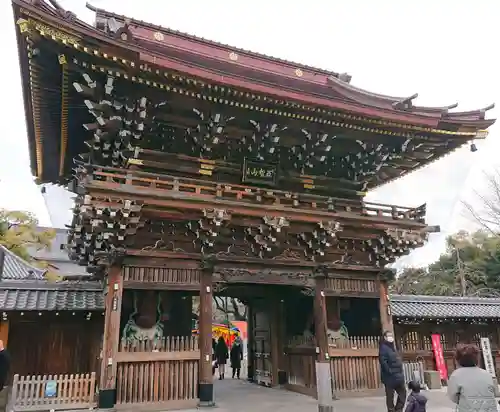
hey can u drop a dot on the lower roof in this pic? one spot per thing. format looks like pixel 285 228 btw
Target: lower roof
pixel 45 296
pixel 444 307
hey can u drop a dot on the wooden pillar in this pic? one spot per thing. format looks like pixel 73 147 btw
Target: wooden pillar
pixel 111 338
pixel 281 335
pixel 385 308
pixel 206 386
pixel 323 370
pixel 250 343
pixel 276 341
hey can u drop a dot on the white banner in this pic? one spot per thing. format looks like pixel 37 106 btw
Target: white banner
pixel 489 363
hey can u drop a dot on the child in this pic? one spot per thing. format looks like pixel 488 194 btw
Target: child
pixel 416 401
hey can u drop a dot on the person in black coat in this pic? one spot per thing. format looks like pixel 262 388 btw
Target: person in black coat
pixel 391 371
pixel 221 355
pixel 236 357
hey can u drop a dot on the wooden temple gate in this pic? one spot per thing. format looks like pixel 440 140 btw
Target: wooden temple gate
pixel 206 174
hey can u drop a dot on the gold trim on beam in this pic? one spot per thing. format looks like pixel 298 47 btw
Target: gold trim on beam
pixel 199 96
pixel 64 112
pixel 68 40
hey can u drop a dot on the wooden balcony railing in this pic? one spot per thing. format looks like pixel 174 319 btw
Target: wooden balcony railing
pixel 109 177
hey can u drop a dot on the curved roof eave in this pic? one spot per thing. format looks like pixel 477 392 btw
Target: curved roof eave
pixel 68 20
pixel 338 82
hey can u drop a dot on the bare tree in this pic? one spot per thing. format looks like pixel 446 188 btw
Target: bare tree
pixel 487 212
pixel 231 306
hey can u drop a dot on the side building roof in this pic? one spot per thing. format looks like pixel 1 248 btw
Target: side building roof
pixel 444 307
pixel 23 288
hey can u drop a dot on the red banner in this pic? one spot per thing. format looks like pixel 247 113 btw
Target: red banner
pixel 437 348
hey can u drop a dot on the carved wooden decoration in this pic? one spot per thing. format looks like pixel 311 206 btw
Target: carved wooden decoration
pixel 263 144
pixel 265 238
pixel 119 121
pixel 99 228
pixel 208 228
pixel 322 238
pixel 393 244
pixel 313 153
pixel 209 133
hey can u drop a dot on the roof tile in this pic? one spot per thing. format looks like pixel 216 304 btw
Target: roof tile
pixel 18 269
pixel 16 300
pixel 439 307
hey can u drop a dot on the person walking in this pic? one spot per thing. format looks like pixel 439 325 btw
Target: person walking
pixel 221 355
pixel 236 356
pixel 391 373
pixel 471 388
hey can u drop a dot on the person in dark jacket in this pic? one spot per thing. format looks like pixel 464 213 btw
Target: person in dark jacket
pixel 416 401
pixel 221 355
pixel 391 371
pixel 236 357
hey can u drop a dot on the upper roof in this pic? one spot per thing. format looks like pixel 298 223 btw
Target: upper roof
pixel 55 114
pixel 315 81
pixel 220 63
pixel 440 307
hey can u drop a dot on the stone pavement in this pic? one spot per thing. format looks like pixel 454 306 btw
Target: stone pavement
pixel 241 396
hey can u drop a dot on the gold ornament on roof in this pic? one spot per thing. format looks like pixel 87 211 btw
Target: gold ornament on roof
pixel 233 56
pixel 299 73
pixel 159 36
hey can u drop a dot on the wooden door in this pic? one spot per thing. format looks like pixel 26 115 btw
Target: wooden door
pixel 261 345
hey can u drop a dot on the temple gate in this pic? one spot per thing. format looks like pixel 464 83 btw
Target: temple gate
pixel 202 169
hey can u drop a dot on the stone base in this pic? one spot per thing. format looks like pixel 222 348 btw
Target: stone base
pixel 250 376
pixel 107 398
pixel 206 395
pixel 432 379
pixel 325 408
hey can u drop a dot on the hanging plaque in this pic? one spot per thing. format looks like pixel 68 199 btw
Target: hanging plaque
pixel 255 171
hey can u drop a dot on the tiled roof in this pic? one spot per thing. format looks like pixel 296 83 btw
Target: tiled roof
pixel 41 296
pixel 16 268
pixel 416 306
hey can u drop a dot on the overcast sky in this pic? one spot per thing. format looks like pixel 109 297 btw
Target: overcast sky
pixel 444 50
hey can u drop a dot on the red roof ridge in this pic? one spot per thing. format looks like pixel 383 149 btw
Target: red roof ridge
pixel 313 85
pixel 208 42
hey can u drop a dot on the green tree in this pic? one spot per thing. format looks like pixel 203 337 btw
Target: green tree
pixel 19 234
pixel 469 267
